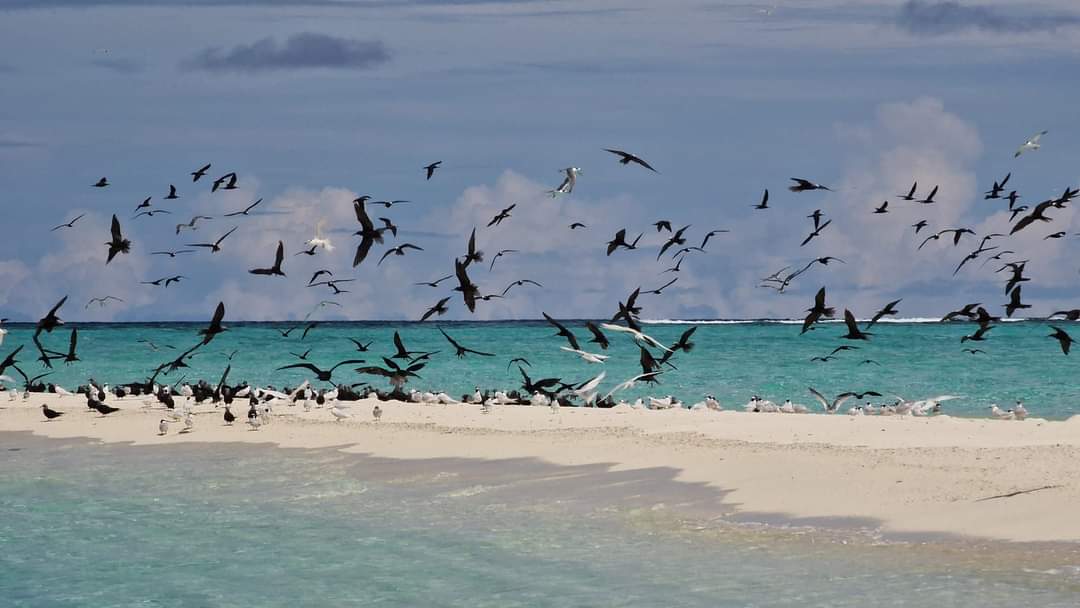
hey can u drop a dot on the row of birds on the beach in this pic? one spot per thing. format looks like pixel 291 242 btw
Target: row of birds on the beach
pixel 653 355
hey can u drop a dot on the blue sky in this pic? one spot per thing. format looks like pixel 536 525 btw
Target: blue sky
pixel 313 103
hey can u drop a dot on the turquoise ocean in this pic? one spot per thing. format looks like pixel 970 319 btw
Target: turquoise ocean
pixel 732 360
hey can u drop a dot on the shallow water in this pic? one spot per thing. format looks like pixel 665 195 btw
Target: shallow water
pixel 83 524
pixel 731 361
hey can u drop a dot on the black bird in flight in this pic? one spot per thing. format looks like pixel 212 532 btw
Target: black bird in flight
pixel 360 346
pixel 802 185
pixel 967 311
pixel 979 335
pixel 499 255
pixel 816 232
pixel 660 289
pixel 70 357
pixel 307 251
pixel 166 280
pixel 216 245
pixel 598 336
pixel 1068 315
pixel 192 223
pixel 439 308
pixel 1064 339
pixel 460 350
pixel 662 225
pixel 333 285
pixel 676 239
pixel 388 225
pixel 399 250
pixel 274 270
pixel 70 224
pixel 321 375
pixel 502 215
pixel 974 351
pixel 473 255
pixel 228 177
pixel 1014 302
pixel 890 309
pixel 816 216
pixel 151 213
pixel 1056 235
pixel 173 254
pixel 910 196
pixel 245 211
pixel 401 353
pixel 626 158
pixel 198 173
pixel 1017 276
pixel 144 204
pixel 436 282
pixel 1012 199
pixel 307 330
pixel 389 204
pixel 997 189
pixel 319 273
pixel 577 225
pixel 884 208
pixel 172 193
pixel 118 244
pixel 764 204
pixel 566 333
pixel 929 200
pixel 709 235
pixel 393 371
pixel 620 241
pixel 919 225
pixel 519 283
pixel 430 169
pixel 101 183
pixel 215 326
pixel 854 333
pixel 817 311
pixel 469 290
pixel 1039 214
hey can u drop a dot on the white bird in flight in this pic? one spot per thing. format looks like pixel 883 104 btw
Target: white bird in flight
pixel 588 357
pixel 637 335
pixel 588 390
pixel 567 186
pixel 1031 144
pixel 319 240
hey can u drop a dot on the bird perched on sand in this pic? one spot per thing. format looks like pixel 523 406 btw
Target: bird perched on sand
pixel 163 427
pixel 50 413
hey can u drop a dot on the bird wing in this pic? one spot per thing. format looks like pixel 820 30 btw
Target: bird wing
pixel 116 236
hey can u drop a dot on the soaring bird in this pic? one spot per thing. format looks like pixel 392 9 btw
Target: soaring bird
pixel 498 255
pixel 430 169
pixel 520 283
pixel 576 225
pixel 996 190
pixel 566 333
pixel 586 356
pixel 919 225
pixel 469 290
pixel 101 183
pixel 399 250
pixel 191 225
pixel 884 208
pixel 439 308
pixel 460 350
pixel 49 322
pixel 215 326
pixel 620 241
pixel 709 235
pixel 802 185
pixel 1039 214
pixel 173 254
pixel 436 282
pixel 967 311
pixel 245 210
pixel 817 311
pixel 70 224
pixel 164 280
pixel 764 204
pixel 854 333
pixel 929 200
pixel 626 158
pixel 568 183
pixel 816 232
pixel 979 335
pixel 676 239
pixel 216 245
pixel 102 301
pixel 502 215
pixel 1014 302
pixel 274 270
pixel 1031 144
pixel 322 375
pixel 172 193
pixel 890 309
pixel 1064 339
pixel 598 336
pixel 118 244
pixel 1068 315
pixel 473 255
pixel 910 196
pixel 198 173
pixel 368 234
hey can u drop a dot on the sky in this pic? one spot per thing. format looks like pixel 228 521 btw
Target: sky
pixel 313 103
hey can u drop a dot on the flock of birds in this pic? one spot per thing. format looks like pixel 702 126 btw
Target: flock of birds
pixel 654 357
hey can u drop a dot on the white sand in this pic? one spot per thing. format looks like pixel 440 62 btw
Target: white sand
pixel 923 475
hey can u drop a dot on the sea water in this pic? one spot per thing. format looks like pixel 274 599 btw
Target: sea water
pixel 223 525
pixel 731 360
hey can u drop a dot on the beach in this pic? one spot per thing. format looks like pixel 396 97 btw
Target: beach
pixel 899 476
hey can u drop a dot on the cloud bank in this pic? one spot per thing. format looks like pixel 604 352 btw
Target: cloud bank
pixel 924 18
pixel 302 51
